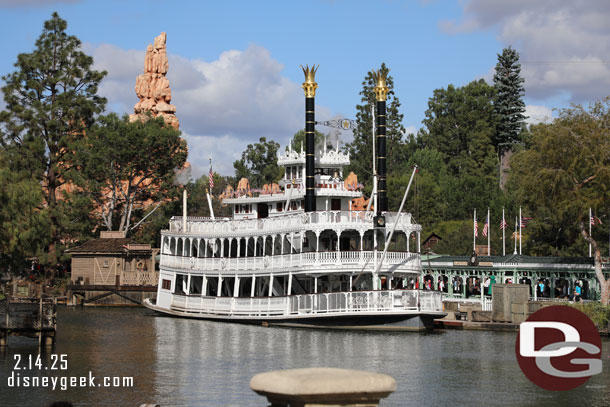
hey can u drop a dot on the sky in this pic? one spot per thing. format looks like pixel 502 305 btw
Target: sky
pixel 234 65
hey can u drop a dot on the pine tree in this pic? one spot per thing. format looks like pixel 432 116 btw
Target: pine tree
pixel 361 148
pixel 508 106
pixel 51 100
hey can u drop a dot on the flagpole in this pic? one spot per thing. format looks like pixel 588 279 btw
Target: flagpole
pixel 520 230
pixel 503 234
pixel 474 235
pixel 488 233
pixel 589 230
pixel 516 235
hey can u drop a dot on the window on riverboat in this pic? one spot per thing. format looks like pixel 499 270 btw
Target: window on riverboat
pixel 196 285
pixel 212 284
pixel 181 281
pixel 245 287
pixel 166 284
pixel 228 283
pixel 279 207
pixel 236 208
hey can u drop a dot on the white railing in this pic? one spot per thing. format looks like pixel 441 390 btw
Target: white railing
pixel 139 278
pixel 327 303
pixel 485 303
pixel 397 261
pixel 295 221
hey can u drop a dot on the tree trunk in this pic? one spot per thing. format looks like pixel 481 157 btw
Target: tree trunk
pixel 603 283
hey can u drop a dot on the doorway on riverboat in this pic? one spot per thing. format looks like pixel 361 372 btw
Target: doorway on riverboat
pixel 335 204
pixel 262 209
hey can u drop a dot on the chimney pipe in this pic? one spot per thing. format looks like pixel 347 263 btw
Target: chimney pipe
pixel 381 93
pixel 310 86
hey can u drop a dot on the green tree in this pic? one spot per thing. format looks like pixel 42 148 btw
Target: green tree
pixel 51 100
pixel 361 148
pixel 460 124
pixel 24 224
pixel 565 172
pixel 298 140
pixel 508 104
pixel 258 163
pixel 128 169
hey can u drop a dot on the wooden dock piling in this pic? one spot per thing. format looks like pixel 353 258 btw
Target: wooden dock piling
pixel 32 317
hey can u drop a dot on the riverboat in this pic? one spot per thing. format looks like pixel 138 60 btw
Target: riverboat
pixel 300 254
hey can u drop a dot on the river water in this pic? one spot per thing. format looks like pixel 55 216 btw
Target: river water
pixel 182 362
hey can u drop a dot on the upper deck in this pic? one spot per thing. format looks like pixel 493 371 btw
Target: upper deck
pixel 336 220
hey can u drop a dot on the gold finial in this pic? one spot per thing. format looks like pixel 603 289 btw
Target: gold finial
pixel 381 89
pixel 310 85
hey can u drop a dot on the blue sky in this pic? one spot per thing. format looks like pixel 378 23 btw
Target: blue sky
pixel 234 65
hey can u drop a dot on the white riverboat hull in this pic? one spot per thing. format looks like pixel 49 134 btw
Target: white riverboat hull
pixel 378 311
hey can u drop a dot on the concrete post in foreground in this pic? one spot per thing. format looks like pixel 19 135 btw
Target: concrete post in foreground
pixel 323 387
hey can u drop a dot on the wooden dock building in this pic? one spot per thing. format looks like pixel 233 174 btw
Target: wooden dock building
pixel 112 270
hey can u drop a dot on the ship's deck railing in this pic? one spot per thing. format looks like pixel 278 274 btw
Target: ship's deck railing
pixel 400 261
pixel 352 302
pixel 204 225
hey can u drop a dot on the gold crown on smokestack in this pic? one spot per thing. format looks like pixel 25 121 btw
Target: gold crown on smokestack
pixel 381 89
pixel 310 85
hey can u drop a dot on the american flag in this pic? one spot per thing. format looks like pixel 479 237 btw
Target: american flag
pixel 476 228
pixel 486 227
pixel 211 177
pixel 525 221
pixel 595 221
pixel 503 224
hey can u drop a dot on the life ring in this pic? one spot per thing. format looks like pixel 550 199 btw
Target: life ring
pixel 266 261
pixel 223 263
pixel 140 265
pixel 304 218
pixel 192 261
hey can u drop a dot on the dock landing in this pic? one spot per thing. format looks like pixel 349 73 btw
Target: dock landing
pixel 32 317
pixel 109 295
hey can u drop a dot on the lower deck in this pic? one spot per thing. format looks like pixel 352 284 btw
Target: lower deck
pixel 412 309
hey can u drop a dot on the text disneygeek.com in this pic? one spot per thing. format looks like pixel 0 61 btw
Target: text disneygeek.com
pixel 57 363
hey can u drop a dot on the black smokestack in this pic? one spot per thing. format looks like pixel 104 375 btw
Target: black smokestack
pixel 310 86
pixel 381 93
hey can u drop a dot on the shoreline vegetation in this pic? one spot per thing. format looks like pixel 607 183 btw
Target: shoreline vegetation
pixel 598 313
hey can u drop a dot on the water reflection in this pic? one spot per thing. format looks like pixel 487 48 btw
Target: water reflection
pixel 181 362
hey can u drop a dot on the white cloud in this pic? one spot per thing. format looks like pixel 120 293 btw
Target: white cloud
pixel 411 130
pixel 538 114
pixel 563 44
pixel 202 148
pixel 222 105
